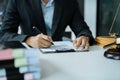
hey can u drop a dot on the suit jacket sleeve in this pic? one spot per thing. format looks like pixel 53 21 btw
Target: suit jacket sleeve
pixel 10 24
pixel 78 24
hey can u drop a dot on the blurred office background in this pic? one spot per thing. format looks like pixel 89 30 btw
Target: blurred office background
pixel 98 14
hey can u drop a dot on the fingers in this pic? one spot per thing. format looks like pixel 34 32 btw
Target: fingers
pixel 87 46
pixel 39 41
pixel 81 42
pixel 44 40
pixel 45 37
pixel 77 42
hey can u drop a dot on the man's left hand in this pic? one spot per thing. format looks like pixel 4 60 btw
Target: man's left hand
pixel 81 42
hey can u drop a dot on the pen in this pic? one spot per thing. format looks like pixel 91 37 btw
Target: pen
pixel 35 28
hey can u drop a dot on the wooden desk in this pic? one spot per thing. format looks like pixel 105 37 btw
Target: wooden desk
pixel 90 65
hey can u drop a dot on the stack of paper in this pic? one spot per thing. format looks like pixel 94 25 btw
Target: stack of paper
pixel 62 46
pixel 19 64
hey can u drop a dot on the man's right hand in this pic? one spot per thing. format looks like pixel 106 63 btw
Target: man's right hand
pixel 39 41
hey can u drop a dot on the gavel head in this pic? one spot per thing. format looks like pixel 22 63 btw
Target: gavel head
pixel 114 53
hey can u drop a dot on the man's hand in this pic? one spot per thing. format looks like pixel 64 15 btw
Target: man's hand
pixel 81 42
pixel 39 41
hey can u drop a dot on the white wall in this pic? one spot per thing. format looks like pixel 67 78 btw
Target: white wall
pixel 90 13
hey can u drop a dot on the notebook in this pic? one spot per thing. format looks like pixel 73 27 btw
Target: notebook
pixel 61 46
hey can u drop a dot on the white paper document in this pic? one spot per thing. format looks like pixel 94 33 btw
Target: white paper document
pixel 61 46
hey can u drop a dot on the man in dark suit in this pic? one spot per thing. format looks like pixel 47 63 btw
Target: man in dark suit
pixel 40 19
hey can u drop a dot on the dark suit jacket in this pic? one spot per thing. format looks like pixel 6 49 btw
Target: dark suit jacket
pixel 28 13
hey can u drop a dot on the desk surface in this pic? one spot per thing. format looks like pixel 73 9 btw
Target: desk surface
pixel 90 65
